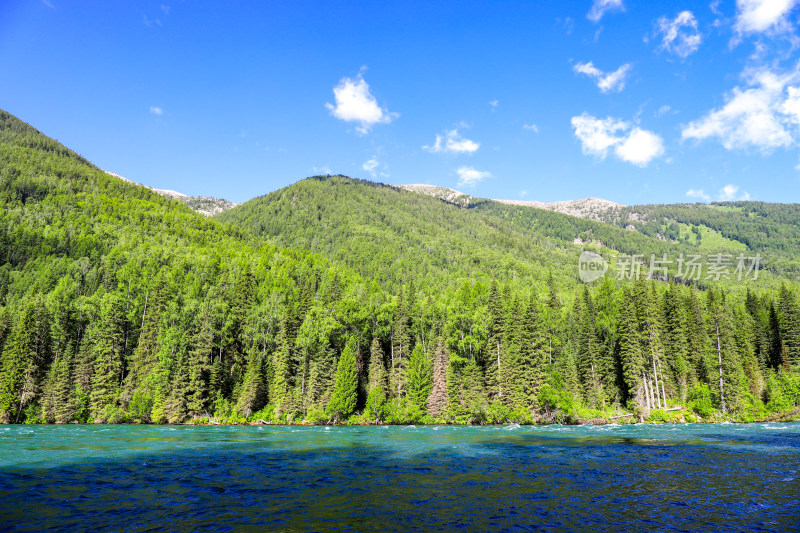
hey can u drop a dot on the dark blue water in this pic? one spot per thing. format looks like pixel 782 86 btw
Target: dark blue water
pixel 145 478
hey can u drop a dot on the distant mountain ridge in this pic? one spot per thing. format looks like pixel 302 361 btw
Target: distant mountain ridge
pixel 205 205
pixel 589 208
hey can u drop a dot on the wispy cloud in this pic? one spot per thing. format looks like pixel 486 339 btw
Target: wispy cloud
pixel 452 142
pixel 601 7
pixel 699 194
pixel 531 127
pixel 680 35
pixel 606 81
pixel 663 110
pixel 355 103
pixel 157 111
pixel 630 143
pixel 49 4
pixel 494 104
pixel 728 193
pixel 469 176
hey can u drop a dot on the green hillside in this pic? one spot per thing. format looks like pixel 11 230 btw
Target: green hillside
pixel 770 229
pixel 344 301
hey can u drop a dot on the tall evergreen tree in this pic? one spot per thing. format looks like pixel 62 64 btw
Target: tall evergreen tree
pixel 345 390
pixel 437 402
pixel 24 358
pixel 419 378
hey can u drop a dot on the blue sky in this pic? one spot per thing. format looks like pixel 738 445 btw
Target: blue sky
pixel 636 102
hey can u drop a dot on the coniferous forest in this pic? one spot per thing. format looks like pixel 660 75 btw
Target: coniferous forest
pixel 337 300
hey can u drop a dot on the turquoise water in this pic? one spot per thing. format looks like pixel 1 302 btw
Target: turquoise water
pixel 510 478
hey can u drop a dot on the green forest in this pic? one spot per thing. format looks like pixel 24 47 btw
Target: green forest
pixel 342 301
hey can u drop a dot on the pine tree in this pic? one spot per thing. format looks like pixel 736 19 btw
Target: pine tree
pixel 419 378
pixel 253 396
pixel 345 390
pixel 776 359
pixel 145 356
pixel 630 355
pixel 699 340
pixel 676 344
pixel 589 352
pixel 494 340
pixel 790 326
pixel 532 358
pixel 175 409
pixel 24 358
pixel 474 390
pixel 281 385
pixel 400 349
pixel 199 362
pixel 106 354
pixel 455 399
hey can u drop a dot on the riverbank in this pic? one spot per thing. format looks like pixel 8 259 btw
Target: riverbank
pixel 667 416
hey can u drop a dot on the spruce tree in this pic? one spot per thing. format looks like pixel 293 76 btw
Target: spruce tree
pixel 200 357
pixel 630 354
pixel 252 396
pixel 419 378
pixel 345 390
pixel 106 354
pixel 790 326
pixel 24 358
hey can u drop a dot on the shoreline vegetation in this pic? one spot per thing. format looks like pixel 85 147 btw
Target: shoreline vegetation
pixel 342 301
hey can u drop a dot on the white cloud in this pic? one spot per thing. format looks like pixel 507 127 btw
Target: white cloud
pixel 371 165
pixel 730 193
pixel 631 144
pixel 165 9
pixel 157 111
pixel 600 7
pixel 324 169
pixel 532 127
pixel 756 16
pixel 375 167
pixel 48 4
pixel 597 135
pixel 640 147
pixel 469 177
pixel 606 81
pixel 680 35
pixel 764 114
pixel 354 103
pixel 453 143
pixel 698 193
pixel 494 104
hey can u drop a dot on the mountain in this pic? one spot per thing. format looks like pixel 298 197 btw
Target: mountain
pixel 337 300
pixel 205 205
pixel 590 208
pixel 385 232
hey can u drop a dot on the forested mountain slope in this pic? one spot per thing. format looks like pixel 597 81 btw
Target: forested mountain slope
pixel 117 304
pixel 768 228
pixel 390 234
